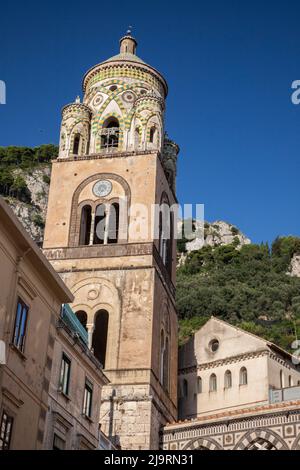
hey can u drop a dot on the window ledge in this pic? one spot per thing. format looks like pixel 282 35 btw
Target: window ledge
pixel 87 418
pixel 18 351
pixel 64 395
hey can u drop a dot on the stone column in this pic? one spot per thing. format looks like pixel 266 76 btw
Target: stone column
pixel 92 227
pixel 90 329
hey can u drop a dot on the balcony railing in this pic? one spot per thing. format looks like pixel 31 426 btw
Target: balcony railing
pixel 285 394
pixel 109 139
pixel 69 317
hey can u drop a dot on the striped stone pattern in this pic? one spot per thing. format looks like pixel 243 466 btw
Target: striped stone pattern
pixel 128 72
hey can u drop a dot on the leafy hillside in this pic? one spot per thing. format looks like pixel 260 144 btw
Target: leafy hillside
pixel 248 287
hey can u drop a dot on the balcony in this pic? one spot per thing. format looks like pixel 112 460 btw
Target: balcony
pixel 285 394
pixel 70 319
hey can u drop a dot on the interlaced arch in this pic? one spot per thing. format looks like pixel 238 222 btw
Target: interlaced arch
pixel 203 444
pixel 256 438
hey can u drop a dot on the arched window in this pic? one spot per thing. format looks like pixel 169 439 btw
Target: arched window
pixel 227 379
pixel 166 365
pixel 213 383
pixel 99 341
pixel 113 225
pixel 161 239
pixel 137 137
pixel 164 360
pixel 110 134
pixel 185 388
pixel 82 317
pixel 281 379
pixel 107 222
pixel 76 144
pixel 290 381
pixel 85 225
pixel 199 385
pixel 170 245
pixel 166 235
pixel 152 135
pixel 100 225
pixel 243 376
pixel 162 348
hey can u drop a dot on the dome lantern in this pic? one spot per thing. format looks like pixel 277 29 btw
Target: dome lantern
pixel 128 43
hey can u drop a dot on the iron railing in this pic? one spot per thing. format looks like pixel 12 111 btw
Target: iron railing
pixel 69 317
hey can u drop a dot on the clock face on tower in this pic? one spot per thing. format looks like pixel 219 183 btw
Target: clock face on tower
pixel 102 188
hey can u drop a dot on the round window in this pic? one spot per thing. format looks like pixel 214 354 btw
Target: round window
pixel 97 100
pixel 214 345
pixel 128 96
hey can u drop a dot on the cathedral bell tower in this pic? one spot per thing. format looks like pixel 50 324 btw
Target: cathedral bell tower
pixel 115 162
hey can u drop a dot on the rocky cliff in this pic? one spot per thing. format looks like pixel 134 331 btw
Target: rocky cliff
pixel 33 214
pixel 294 269
pixel 209 234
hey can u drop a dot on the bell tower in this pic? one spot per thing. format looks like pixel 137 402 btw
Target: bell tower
pixel 115 163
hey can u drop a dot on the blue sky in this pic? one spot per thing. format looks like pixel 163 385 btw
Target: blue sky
pixel 229 65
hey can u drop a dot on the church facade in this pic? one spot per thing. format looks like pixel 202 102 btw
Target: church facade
pixel 116 164
pixel 236 392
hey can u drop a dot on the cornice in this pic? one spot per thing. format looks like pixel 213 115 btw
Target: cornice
pixel 123 63
pixel 77 105
pixel 120 154
pixel 236 416
pixel 221 362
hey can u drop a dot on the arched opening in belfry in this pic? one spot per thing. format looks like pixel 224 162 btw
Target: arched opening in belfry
pixel 137 137
pixel 110 134
pixel 166 365
pixel 166 235
pixel 162 348
pixel 100 225
pixel 99 341
pixel 82 317
pixel 169 254
pixel 107 223
pixel 199 385
pixel 76 144
pixel 152 135
pixel 164 360
pixel 113 223
pixel 162 238
pixel 85 225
